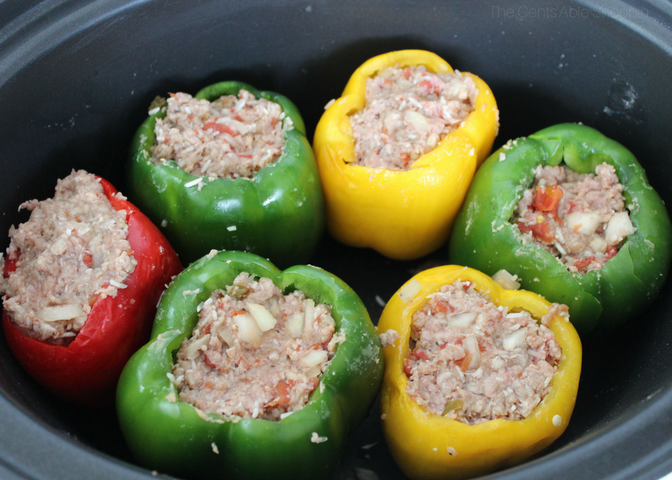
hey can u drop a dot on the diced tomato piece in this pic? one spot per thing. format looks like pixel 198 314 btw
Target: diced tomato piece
pixel 237 312
pixel 420 354
pixel 405 159
pixel 582 263
pixel 209 384
pixel 209 363
pixel 87 259
pixel 442 306
pixel 407 73
pixel 282 390
pixel 610 253
pixel 274 121
pixel 464 363
pixel 219 128
pixel 547 200
pixel 408 365
pixel 430 87
pixel 542 230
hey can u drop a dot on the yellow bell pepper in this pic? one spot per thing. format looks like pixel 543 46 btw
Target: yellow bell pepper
pixel 401 214
pixel 432 447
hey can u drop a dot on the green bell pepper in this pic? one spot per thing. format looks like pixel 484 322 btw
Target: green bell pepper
pixel 484 237
pixel 167 435
pixel 279 213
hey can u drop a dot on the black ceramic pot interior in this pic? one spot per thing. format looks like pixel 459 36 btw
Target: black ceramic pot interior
pixel 76 79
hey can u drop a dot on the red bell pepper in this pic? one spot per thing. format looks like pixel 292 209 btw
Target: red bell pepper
pixel 86 371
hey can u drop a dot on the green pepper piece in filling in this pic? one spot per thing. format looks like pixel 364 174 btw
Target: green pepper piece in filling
pixel 171 436
pixel 484 237
pixel 279 213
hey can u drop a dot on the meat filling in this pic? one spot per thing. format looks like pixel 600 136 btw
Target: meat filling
pixel 473 361
pixel 255 352
pixel 72 250
pixel 579 218
pixel 231 137
pixel 408 112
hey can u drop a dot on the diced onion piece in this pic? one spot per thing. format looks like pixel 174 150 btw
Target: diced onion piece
pixel 262 316
pixel 452 405
pixel 471 344
pixel 497 363
pixel 432 140
pixel 506 280
pixel 294 325
pixel 598 244
pixel 313 372
pixel 515 339
pixel 194 347
pixel 618 228
pixel 226 334
pixel 417 120
pixel 274 307
pixel 59 312
pixel 391 121
pixel 248 330
pixel 409 290
pixel 462 320
pixel 583 222
pixel 314 357
pixel 384 73
pixel 309 313
pixel 59 246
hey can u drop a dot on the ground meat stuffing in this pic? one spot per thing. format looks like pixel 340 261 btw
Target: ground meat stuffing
pixel 408 112
pixel 579 218
pixel 388 338
pixel 73 250
pixel 231 137
pixel 473 361
pixel 255 352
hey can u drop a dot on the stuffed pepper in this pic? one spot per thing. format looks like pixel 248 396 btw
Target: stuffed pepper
pixel 477 377
pixel 82 279
pixel 397 151
pixel 231 169
pixel 251 372
pixel 572 214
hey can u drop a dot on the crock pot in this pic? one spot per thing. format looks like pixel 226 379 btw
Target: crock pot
pixel 76 78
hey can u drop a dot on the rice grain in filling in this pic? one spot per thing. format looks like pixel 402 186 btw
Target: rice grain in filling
pixel 255 352
pixel 579 218
pixel 408 111
pixel 72 251
pixel 472 361
pixel 230 137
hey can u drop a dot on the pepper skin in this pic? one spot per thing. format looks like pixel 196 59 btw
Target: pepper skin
pixel 432 447
pixel 279 213
pixel 172 436
pixel 86 371
pixel 401 214
pixel 484 237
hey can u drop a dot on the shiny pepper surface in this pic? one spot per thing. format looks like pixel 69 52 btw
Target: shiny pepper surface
pixel 433 447
pixel 401 214
pixel 485 237
pixel 278 213
pixel 168 435
pixel 86 371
